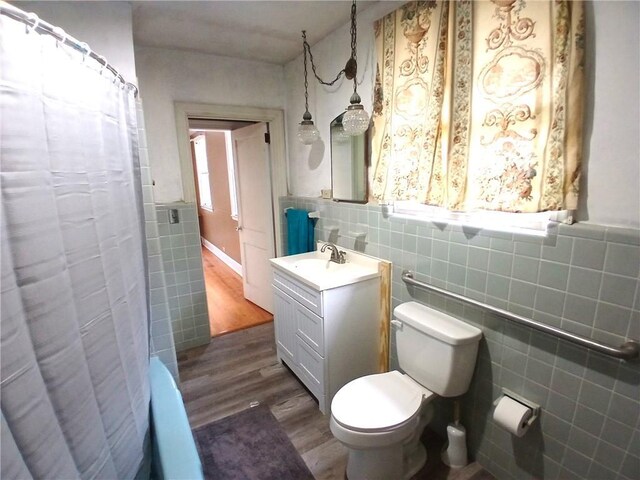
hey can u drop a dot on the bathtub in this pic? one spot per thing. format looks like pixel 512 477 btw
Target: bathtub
pixel 174 451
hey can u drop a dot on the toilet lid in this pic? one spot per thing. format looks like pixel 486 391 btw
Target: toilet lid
pixel 378 402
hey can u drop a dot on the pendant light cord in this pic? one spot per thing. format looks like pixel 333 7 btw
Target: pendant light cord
pixel 354 50
pixel 306 82
pixel 307 49
pixel 355 120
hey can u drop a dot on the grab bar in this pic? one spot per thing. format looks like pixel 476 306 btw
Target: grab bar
pixel 627 351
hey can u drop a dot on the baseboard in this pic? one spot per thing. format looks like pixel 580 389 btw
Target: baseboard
pixel 230 262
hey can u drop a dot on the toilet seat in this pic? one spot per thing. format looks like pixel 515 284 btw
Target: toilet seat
pixel 378 403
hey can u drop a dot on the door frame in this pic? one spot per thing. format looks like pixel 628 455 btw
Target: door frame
pixel 277 156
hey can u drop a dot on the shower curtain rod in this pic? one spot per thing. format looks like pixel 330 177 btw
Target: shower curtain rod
pixel 35 23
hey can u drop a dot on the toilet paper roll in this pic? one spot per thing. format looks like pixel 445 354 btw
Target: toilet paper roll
pixel 512 416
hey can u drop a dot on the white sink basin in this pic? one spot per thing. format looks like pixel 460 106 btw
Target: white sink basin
pixel 318 271
pixel 317 266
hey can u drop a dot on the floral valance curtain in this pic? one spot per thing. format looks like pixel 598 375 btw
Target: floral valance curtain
pixel 478 105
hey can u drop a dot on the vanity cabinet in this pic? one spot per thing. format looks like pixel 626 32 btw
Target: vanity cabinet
pixel 326 337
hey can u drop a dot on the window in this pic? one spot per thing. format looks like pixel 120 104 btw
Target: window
pixel 482 123
pixel 535 224
pixel 202 172
pixel 231 170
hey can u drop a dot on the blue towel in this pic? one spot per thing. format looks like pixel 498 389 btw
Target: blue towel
pixel 299 232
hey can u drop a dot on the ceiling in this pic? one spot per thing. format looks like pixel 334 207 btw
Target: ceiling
pixel 268 31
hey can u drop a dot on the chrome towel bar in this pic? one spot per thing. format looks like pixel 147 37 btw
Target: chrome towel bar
pixel 627 351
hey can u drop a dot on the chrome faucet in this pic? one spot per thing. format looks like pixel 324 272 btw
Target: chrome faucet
pixel 337 256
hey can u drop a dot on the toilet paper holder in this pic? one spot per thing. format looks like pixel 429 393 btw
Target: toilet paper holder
pixel 535 408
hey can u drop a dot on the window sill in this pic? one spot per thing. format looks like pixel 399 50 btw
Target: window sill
pixel 206 209
pixel 533 224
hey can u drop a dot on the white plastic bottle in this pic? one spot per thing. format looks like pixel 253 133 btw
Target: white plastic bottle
pixel 454 453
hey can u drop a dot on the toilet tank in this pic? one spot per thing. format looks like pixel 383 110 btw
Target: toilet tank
pixel 435 349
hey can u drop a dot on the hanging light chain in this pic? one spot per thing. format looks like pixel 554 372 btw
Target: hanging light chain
pixel 351 67
pixel 355 120
pixel 307 49
pixel 306 82
pixel 307 131
pixel 354 50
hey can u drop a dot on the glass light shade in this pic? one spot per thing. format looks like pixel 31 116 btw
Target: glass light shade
pixel 307 132
pixel 355 120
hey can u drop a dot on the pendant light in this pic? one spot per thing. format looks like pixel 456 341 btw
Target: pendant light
pixel 356 119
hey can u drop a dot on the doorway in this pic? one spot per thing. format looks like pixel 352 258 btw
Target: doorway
pixel 228 310
pixel 226 273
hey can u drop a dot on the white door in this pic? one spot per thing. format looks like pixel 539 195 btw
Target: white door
pixel 255 225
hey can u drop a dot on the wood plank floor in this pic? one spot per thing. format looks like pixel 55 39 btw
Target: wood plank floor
pixel 229 311
pixel 235 370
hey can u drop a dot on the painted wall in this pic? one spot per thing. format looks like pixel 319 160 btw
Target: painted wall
pixel 612 158
pixel 310 165
pixel 217 226
pixel 105 26
pixel 167 76
pixel 610 184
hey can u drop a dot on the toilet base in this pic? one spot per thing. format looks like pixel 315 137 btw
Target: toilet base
pixel 398 461
pixel 415 455
pixel 385 463
pixel 375 464
pixel 414 462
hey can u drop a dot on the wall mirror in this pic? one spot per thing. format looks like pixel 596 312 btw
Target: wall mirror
pixel 349 160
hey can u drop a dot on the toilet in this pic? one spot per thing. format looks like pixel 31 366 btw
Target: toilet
pixel 380 418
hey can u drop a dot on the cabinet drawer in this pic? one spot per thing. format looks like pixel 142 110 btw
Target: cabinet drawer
pixel 310 328
pixel 307 296
pixel 311 367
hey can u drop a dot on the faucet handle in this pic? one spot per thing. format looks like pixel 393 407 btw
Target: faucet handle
pixel 342 256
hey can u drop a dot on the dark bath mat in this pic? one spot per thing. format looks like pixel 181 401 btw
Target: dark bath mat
pixel 249 445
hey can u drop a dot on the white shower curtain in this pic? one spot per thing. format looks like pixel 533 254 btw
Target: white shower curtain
pixel 74 341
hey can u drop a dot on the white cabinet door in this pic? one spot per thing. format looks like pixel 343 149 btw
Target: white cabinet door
pixel 285 325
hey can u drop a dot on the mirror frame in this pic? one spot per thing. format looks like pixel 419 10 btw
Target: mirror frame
pixel 365 161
